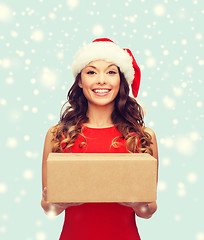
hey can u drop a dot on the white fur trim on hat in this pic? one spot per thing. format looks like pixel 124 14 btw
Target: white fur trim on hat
pixel 107 51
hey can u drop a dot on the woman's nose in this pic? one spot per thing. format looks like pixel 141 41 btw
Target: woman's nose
pixel 101 79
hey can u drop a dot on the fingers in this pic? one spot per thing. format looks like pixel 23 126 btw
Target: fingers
pixel 45 193
pixel 65 205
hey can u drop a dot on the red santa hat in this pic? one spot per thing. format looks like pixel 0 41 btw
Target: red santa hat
pixel 106 49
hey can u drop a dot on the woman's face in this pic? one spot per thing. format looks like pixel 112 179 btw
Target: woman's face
pixel 100 82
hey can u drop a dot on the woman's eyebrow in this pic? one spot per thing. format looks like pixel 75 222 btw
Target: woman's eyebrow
pixel 91 66
pixel 96 67
pixel 111 65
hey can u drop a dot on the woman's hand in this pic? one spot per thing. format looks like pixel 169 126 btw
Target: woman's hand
pixel 142 209
pixel 58 207
pixel 135 205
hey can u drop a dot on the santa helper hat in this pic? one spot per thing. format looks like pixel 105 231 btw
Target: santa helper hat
pixel 106 49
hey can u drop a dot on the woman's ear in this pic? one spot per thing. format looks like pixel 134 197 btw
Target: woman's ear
pixel 80 83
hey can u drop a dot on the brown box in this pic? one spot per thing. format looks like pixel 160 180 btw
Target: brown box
pixel 101 177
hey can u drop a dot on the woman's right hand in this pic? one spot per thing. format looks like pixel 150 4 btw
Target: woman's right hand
pixel 59 206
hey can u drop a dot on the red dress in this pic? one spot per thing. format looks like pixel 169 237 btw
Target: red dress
pixel 99 221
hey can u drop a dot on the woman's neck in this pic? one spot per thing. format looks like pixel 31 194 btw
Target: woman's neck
pixel 99 116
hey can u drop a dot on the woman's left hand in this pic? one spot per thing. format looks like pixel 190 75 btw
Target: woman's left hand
pixel 134 205
pixel 142 209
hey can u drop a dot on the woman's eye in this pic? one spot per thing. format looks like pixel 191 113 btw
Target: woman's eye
pixel 112 72
pixel 90 72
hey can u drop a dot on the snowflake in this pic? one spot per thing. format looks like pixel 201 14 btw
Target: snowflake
pixel 40 236
pixel 162 186
pixel 37 35
pixel 97 30
pixel 72 3
pixel 169 102
pixel 159 10
pixel 12 142
pixel 192 177
pixel 3 188
pixel 5 13
pixel 28 174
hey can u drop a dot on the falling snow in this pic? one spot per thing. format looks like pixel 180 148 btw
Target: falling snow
pixel 3 188
pixel 5 13
pixel 38 40
pixel 98 30
pixel 28 174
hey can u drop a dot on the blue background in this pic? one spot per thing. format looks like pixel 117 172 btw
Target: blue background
pixel 38 39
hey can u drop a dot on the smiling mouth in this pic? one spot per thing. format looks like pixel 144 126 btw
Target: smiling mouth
pixel 101 90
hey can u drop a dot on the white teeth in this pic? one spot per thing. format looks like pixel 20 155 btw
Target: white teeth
pixel 101 90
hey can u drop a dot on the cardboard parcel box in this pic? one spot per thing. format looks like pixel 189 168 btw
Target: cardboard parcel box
pixel 101 177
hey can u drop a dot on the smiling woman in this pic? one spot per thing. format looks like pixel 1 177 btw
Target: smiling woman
pixel 101 117
pixel 100 82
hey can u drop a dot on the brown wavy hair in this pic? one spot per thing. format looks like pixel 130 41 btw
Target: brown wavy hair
pixel 127 117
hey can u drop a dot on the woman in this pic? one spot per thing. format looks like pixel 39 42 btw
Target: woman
pixel 101 117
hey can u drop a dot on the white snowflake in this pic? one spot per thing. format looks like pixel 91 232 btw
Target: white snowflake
pixel 165 161
pixel 34 109
pixel 195 136
pixel 185 145
pixel 177 217
pixel 35 91
pixel 60 55
pixel 3 102
pixel 48 77
pixel 51 117
pixel 5 13
pixel 26 108
pixel 167 142
pixel 151 62
pixel 178 91
pixel 175 121
pixel 199 36
pixel 189 69
pixel 5 216
pixel 27 61
pixel 159 10
pixel 183 41
pixel 2 229
pixel 40 236
pixel 176 62
pixel 11 142
pixel 162 186
pixel 98 30
pixel 72 3
pixel 3 188
pixel 5 63
pixel 192 177
pixel 144 94
pixel 181 192
pixel 201 62
pixel 200 236
pixel 20 53
pixel 23 192
pixel 147 52
pixel 166 52
pixel 17 199
pixel 151 124
pixel 169 102
pixel 30 154
pixel 37 35
pixel 154 103
pixel 38 223
pixel 199 104
pixel 52 16
pixel 14 34
pixel 28 174
pixel 33 81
